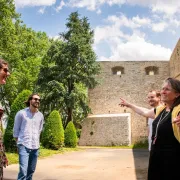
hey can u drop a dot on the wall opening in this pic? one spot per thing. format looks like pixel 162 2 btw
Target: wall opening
pixel 152 70
pixel 118 70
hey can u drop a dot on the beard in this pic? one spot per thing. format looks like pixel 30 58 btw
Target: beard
pixel 35 105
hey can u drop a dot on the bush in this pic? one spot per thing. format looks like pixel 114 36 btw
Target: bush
pixel 70 135
pixel 78 132
pixel 53 134
pixel 17 105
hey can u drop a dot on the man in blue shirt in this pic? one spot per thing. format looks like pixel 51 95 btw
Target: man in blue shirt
pixel 27 128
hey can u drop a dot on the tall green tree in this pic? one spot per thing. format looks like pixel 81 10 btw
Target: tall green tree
pixel 31 47
pixel 71 65
pixel 8 19
pixel 23 48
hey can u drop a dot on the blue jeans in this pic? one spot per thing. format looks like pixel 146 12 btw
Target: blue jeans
pixel 27 162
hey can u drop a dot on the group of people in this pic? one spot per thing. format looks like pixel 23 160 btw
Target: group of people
pixel 164 135
pixel 28 125
pixel 164 155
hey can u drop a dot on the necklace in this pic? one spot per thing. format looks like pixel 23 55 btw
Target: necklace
pixel 160 120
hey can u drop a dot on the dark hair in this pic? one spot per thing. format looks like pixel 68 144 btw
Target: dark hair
pixel 27 103
pixel 175 84
pixel 2 62
pixel 158 93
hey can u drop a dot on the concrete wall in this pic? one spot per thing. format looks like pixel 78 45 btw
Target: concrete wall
pixel 106 130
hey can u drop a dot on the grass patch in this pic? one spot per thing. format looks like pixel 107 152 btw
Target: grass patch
pixel 141 145
pixel 13 157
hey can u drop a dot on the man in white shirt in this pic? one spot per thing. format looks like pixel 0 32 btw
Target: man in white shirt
pixel 27 128
pixel 154 98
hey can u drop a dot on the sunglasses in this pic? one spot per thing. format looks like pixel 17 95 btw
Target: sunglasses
pixel 1 112
pixel 6 70
pixel 36 99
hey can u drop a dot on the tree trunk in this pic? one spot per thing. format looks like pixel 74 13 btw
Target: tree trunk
pixel 69 117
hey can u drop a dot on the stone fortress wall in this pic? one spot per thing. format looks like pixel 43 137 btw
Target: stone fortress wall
pixel 131 80
pixel 175 62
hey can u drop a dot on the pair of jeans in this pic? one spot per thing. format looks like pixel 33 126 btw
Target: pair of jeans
pixel 27 162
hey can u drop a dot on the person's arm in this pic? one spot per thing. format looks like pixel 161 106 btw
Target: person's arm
pixel 139 110
pixel 41 125
pixel 17 125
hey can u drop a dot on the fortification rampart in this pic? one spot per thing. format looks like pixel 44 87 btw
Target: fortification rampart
pixel 132 83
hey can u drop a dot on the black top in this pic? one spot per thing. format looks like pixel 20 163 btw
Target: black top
pixel 165 135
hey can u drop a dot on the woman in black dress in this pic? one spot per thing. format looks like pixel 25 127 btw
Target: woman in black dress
pixel 164 160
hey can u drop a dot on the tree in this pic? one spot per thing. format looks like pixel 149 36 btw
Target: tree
pixel 8 19
pixel 71 65
pixel 23 48
pixel 31 47
pixel 53 134
pixel 70 135
pixel 18 104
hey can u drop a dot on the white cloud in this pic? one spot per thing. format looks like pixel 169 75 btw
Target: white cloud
pixel 133 45
pixel 138 49
pixel 42 10
pixel 23 3
pixel 141 21
pixel 90 5
pixel 98 11
pixel 172 31
pixel 60 6
pixel 166 6
pixel 163 6
pixel 159 27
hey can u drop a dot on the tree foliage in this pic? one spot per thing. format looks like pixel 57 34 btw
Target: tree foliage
pixel 72 67
pixel 70 135
pixel 53 134
pixel 18 104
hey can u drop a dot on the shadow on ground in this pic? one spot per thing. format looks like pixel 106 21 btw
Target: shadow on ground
pixel 141 163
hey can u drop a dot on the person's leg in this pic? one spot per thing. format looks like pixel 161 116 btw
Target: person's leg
pixel 23 162
pixel 32 163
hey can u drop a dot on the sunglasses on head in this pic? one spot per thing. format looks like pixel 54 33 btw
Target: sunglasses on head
pixel 36 99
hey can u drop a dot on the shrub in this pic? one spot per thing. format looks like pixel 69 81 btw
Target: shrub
pixel 17 105
pixel 70 135
pixel 78 132
pixel 53 134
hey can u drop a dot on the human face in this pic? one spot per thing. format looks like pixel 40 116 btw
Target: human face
pixel 153 100
pixel 35 101
pixel 168 95
pixel 4 73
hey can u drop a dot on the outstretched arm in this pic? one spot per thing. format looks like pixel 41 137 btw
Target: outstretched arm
pixel 139 110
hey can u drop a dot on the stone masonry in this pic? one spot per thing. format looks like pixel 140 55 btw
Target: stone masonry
pixel 107 130
pixel 132 83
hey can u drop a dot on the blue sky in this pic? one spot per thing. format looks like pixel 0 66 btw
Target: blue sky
pixel 125 30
